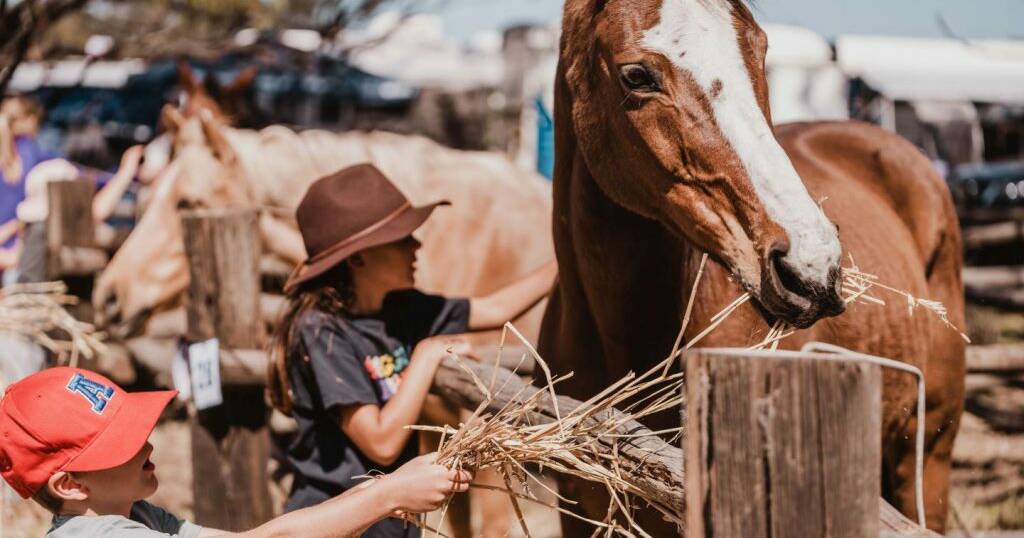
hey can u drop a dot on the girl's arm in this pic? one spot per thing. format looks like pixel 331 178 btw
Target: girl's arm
pixel 380 432
pixel 418 486
pixel 106 199
pixel 510 302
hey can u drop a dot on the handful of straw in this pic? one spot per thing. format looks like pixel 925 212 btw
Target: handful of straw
pixel 36 312
pixel 535 428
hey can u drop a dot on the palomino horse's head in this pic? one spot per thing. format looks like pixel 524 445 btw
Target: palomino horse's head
pixel 231 103
pixel 150 271
pixel 669 107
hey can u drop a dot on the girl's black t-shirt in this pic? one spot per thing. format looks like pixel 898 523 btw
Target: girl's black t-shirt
pixel 341 361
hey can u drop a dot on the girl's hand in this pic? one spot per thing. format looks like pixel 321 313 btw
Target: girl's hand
pixel 438 347
pixel 423 486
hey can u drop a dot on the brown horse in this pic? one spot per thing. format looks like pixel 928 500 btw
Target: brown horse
pixel 665 150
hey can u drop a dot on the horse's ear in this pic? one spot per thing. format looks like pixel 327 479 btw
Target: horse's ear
pixel 187 78
pixel 243 80
pixel 214 133
pixel 171 118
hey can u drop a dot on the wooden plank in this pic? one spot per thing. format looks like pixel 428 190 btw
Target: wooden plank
pixel 782 447
pixel 1012 299
pixel 1004 276
pixel 81 261
pixel 993 234
pixel 995 358
pixel 644 457
pixel 230 442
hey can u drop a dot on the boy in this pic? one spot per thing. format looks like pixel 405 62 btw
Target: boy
pixel 77 444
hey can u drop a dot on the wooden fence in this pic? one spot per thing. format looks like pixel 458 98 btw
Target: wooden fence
pixel 799 438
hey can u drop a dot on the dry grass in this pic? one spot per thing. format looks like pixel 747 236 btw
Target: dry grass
pixel 36 312
pixel 572 444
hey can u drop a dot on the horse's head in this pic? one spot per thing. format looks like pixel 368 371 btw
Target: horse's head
pixel 669 106
pixel 231 104
pixel 150 271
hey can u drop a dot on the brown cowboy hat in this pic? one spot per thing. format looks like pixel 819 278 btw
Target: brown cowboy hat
pixel 351 210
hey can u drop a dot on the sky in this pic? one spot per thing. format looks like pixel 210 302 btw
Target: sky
pixel 966 18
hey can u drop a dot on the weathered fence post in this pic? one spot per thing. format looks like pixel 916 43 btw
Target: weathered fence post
pixel 68 221
pixel 71 251
pixel 781 446
pixel 230 442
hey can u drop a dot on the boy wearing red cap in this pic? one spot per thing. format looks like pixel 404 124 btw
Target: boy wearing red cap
pixel 77 443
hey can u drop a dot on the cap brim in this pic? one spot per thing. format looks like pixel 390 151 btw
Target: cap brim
pixel 126 434
pixel 403 225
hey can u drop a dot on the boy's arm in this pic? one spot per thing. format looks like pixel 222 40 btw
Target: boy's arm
pixel 345 515
pixel 510 302
pixel 418 486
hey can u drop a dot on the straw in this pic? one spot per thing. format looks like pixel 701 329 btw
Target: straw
pixel 576 441
pixel 36 312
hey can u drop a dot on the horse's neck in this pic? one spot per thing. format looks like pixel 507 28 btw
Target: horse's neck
pixel 631 272
pixel 277 164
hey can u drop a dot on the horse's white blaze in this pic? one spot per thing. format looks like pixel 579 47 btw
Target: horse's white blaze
pixel 698 37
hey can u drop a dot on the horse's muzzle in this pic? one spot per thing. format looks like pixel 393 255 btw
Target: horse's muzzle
pixel 800 303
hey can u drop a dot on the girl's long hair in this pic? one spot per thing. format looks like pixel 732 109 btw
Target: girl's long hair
pixel 331 293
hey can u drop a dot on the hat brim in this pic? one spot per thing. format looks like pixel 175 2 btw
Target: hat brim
pixel 31 210
pixel 405 224
pixel 126 434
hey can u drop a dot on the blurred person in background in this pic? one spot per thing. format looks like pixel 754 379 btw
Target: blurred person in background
pixel 20 118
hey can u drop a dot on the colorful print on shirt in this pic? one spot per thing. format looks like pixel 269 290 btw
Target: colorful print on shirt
pixel 384 370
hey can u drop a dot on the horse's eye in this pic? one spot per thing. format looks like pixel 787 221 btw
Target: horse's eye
pixel 637 78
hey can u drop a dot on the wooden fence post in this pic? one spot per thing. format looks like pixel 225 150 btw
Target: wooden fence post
pixel 781 447
pixel 71 252
pixel 230 442
pixel 68 220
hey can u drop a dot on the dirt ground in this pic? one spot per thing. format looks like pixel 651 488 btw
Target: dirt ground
pixel 988 459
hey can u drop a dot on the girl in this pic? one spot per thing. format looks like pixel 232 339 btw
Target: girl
pixel 358 347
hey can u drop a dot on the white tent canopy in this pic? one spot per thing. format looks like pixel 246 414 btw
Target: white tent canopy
pixel 796 46
pixel 805 84
pixel 915 69
pixel 66 73
pixel 416 51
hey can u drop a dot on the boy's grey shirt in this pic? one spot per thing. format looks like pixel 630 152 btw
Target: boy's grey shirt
pixel 146 521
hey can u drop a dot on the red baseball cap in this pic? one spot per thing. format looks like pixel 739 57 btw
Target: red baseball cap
pixel 68 419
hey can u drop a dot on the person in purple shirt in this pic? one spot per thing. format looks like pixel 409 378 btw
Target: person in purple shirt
pixel 19 153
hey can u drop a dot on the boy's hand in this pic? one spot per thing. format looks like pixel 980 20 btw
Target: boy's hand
pixel 422 486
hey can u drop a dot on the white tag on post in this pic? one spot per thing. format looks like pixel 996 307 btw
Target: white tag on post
pixel 179 374
pixel 204 364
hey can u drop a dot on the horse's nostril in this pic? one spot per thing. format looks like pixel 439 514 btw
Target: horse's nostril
pixel 786 276
pixel 779 248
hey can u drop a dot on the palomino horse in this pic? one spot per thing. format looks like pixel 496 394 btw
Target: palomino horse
pixel 665 150
pixel 493 232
